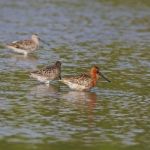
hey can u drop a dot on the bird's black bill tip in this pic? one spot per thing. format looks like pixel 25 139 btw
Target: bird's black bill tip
pixel 104 77
pixel 44 42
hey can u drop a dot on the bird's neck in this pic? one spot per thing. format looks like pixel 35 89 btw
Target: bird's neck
pixel 94 79
pixel 36 41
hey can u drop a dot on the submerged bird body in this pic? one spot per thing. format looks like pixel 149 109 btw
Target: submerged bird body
pixel 84 81
pixel 25 46
pixel 48 73
pixel 80 82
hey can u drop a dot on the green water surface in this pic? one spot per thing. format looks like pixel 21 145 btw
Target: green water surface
pixel 113 34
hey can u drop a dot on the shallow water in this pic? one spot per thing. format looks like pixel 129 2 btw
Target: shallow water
pixel 113 34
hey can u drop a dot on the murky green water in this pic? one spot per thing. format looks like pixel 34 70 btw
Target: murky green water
pixel 113 116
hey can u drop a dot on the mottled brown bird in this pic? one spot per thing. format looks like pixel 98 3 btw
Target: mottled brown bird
pixel 84 81
pixel 25 46
pixel 48 73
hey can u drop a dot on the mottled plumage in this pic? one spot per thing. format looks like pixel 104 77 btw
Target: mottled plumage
pixel 25 46
pixel 84 81
pixel 48 73
pixel 79 82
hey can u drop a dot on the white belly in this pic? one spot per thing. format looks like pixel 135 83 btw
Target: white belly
pixel 40 78
pixel 77 86
pixel 21 51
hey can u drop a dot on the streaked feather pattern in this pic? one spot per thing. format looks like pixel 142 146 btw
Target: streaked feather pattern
pixel 80 82
pixel 84 81
pixel 28 45
pixel 48 73
pixel 25 46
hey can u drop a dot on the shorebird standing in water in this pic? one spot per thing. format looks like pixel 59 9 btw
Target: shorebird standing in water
pixel 84 81
pixel 48 73
pixel 25 46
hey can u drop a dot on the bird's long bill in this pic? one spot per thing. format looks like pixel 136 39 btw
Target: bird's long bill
pixel 104 77
pixel 44 42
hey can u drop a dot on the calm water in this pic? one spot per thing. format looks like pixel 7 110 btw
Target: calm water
pixel 112 116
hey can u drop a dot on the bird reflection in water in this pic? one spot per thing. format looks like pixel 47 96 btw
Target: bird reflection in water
pixel 43 90
pixel 24 61
pixel 19 57
pixel 85 102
